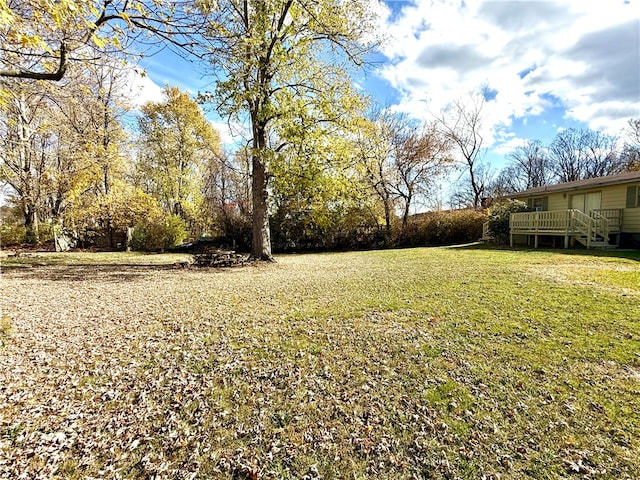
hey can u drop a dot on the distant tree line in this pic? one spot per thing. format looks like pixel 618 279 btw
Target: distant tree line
pixel 574 154
pixel 76 156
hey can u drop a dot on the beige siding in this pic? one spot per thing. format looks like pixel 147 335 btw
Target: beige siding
pixel 614 196
pixel 631 220
pixel 558 202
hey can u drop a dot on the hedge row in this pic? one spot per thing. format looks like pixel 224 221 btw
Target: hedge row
pixel 427 229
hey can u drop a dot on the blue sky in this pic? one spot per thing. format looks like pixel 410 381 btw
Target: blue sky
pixel 549 65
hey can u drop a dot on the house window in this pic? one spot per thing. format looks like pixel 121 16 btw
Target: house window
pixel 633 196
pixel 538 204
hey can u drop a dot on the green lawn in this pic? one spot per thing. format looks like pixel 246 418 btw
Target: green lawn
pixel 422 363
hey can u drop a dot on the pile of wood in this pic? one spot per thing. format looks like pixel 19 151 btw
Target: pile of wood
pixel 218 259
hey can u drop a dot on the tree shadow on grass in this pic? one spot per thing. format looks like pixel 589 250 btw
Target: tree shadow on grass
pixel 628 254
pixel 103 273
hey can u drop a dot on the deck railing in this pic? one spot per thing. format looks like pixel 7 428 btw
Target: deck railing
pixel 614 215
pixel 552 220
pixel 600 225
pixel 486 234
pixel 563 222
pixel 590 226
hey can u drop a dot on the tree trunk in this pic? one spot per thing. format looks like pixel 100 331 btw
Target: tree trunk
pixel 387 220
pixel 31 225
pixel 261 241
pixel 407 209
pixel 405 219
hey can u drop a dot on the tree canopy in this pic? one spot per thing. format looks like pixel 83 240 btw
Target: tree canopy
pixel 40 38
pixel 177 145
pixel 281 66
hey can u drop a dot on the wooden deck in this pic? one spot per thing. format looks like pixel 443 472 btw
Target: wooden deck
pixel 594 230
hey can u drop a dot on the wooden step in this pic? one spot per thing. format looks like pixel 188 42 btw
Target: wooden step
pixel 594 243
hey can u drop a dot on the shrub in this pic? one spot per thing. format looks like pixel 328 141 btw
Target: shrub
pixel 161 233
pixel 138 238
pixel 499 218
pixel 446 227
pixel 12 234
pixel 45 232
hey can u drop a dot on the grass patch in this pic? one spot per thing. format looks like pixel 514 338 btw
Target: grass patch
pixel 43 259
pixel 421 363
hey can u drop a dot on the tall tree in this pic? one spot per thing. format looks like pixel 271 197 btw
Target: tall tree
pixel 401 159
pixel 278 59
pixel 25 141
pixel 373 150
pixel 602 154
pixel 421 154
pixel 461 122
pixel 630 155
pixel 227 195
pixel 529 167
pixel 568 155
pixel 99 121
pixel 95 111
pixel 177 145
pixel 75 135
pixel 579 154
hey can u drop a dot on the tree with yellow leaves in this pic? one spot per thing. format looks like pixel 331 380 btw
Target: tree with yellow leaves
pixel 177 146
pixel 40 38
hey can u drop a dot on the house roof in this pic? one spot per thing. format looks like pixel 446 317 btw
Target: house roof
pixel 626 177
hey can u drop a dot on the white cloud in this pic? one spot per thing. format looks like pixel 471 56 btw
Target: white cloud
pixel 509 146
pixel 140 89
pixel 231 134
pixel 584 53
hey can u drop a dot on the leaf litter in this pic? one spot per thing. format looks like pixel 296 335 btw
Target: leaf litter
pixel 256 373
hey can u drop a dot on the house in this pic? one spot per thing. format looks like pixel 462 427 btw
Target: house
pixel 597 212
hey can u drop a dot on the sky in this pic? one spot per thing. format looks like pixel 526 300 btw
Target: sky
pixel 544 65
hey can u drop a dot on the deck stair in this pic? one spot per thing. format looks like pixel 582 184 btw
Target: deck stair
pixel 593 229
pixel 600 244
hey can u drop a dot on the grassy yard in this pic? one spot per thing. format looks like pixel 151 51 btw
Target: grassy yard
pixel 422 363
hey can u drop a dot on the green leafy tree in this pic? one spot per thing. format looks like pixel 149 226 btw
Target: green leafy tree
pixel 178 145
pixel 279 60
pixel 312 189
pixel 123 207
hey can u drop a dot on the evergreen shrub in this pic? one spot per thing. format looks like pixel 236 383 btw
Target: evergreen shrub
pixel 498 218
